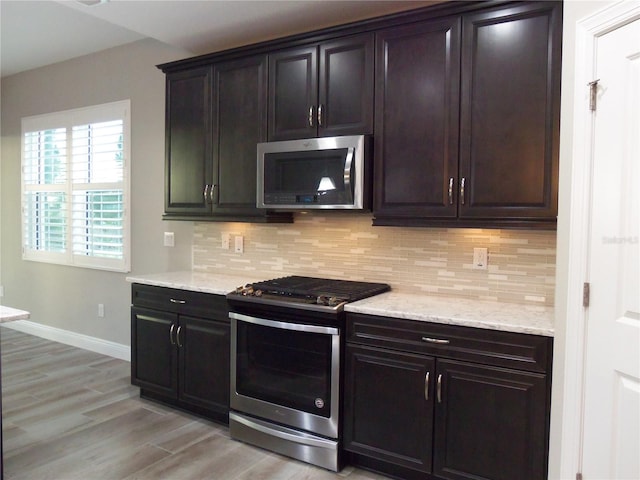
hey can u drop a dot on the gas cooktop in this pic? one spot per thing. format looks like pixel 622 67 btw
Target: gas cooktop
pixel 310 291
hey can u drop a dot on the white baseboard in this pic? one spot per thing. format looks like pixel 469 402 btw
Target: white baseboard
pixel 93 344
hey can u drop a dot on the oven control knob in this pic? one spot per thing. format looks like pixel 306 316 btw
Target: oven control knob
pixel 319 403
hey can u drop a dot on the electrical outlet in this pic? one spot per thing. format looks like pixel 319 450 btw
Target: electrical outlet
pixel 225 241
pixel 480 258
pixel 169 239
pixel 239 244
pixel 101 310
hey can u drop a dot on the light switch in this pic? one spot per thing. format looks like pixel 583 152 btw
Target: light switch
pixel 480 258
pixel 239 244
pixel 225 240
pixel 169 239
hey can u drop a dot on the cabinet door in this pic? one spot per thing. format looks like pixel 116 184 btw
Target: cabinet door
pixel 345 100
pixel 204 363
pixel 490 423
pixel 154 357
pixel 417 98
pixel 188 167
pixel 389 406
pixel 293 93
pixel 510 112
pixel 240 122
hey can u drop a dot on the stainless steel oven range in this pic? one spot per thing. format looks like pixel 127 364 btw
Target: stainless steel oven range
pixel 286 350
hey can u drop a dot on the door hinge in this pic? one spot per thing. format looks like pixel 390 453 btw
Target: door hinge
pixel 586 294
pixel 593 94
pixel 578 476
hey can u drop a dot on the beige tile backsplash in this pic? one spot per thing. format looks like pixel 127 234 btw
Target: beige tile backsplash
pixel 436 261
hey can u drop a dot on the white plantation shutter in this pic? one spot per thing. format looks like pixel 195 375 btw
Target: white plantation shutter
pixel 44 177
pixel 75 187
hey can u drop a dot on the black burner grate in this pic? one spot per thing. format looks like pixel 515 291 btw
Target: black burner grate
pixel 297 286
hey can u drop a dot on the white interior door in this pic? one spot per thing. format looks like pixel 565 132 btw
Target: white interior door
pixel 611 440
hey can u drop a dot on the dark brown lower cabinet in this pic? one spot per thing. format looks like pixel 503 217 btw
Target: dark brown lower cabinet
pixel 440 409
pixel 178 358
pixel 490 423
pixel 386 401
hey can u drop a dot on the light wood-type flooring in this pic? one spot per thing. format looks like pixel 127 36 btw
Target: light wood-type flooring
pixel 72 414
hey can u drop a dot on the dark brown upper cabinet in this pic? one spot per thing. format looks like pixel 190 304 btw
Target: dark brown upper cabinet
pixel 322 90
pixel 466 103
pixel 215 117
pixel 239 124
pixel 417 103
pixel 510 116
pixel 467 119
pixel 188 165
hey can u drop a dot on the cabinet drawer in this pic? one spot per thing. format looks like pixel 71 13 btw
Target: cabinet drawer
pixel 184 302
pixel 489 347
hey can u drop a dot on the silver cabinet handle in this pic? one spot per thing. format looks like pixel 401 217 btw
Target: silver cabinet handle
pixel 206 193
pixel 173 326
pixel 178 336
pixel 426 387
pixel 320 115
pixel 462 190
pixel 311 116
pixel 439 388
pixel 212 193
pixel 436 340
pixel 451 191
pixel 179 302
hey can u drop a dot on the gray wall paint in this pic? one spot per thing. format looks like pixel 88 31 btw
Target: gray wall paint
pixel 68 297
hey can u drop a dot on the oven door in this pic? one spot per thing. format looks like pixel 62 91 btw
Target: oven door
pixel 286 372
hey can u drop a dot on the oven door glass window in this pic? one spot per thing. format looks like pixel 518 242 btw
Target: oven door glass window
pixel 285 367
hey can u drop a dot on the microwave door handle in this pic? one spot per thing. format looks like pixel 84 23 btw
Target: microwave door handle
pixel 347 170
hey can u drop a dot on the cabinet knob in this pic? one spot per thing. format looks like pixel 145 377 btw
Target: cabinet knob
pixel 320 110
pixel 439 388
pixel 205 194
pixel 179 302
pixel 462 190
pixel 451 191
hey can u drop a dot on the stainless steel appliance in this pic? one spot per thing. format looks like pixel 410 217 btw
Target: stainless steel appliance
pixel 286 350
pixel 315 173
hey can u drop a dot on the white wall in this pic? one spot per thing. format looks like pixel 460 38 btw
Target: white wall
pixel 562 449
pixel 66 297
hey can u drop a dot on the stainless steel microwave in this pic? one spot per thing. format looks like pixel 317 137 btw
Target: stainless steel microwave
pixel 315 173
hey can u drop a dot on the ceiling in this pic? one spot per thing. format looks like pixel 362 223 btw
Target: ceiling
pixel 38 33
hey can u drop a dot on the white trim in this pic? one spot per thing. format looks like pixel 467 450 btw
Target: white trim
pixel 93 344
pixel 587 32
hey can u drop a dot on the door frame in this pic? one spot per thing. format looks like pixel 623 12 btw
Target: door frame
pixel 569 366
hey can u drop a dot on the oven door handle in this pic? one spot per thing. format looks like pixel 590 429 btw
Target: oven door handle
pixel 284 325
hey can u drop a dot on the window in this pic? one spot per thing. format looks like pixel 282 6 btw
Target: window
pixel 75 187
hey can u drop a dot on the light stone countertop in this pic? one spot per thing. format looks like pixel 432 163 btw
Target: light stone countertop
pixel 218 283
pixel 511 317
pixel 8 314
